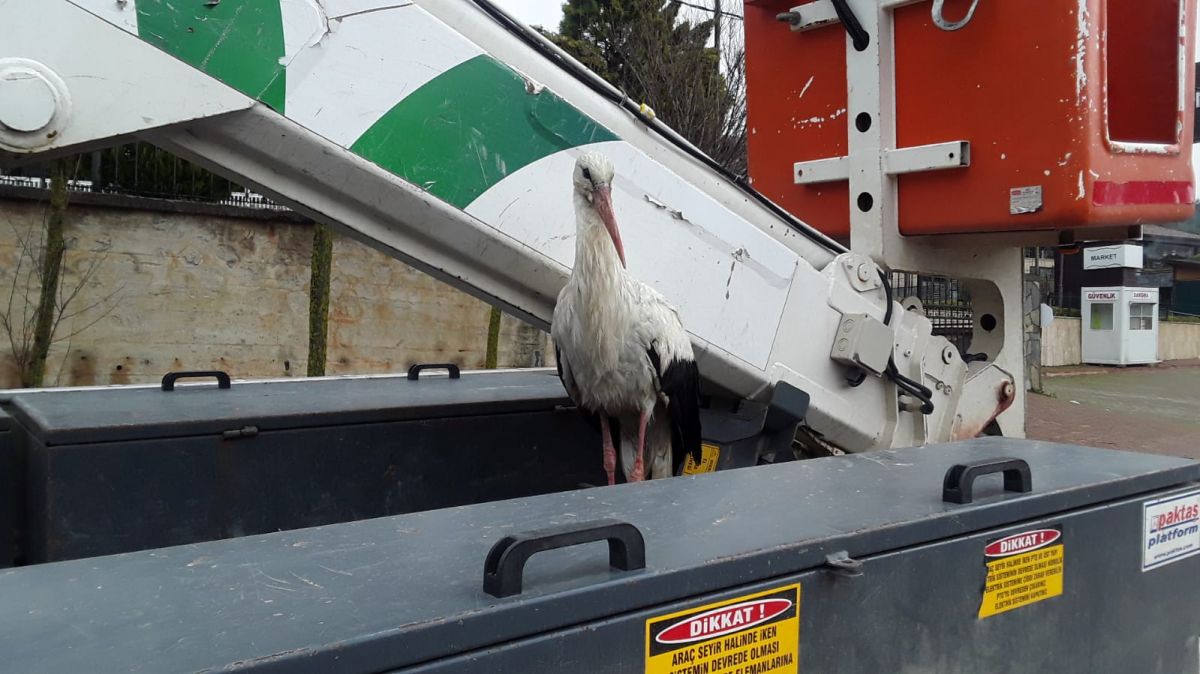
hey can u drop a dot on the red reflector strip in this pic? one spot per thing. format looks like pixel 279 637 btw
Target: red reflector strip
pixel 1142 192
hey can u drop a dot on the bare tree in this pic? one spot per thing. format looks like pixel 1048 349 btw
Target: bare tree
pixel 38 302
pixel 492 356
pixel 690 72
pixel 705 102
pixel 730 146
pixel 318 298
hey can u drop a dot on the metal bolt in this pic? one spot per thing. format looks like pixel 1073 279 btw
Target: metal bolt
pixel 864 274
pixel 788 17
pixel 940 386
pixel 27 101
pixel 907 353
pixel 949 390
pixel 948 355
pixel 1008 389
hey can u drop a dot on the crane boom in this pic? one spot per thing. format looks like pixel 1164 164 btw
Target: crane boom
pixel 442 132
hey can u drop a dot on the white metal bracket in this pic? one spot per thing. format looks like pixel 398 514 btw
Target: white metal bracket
pixel 821 13
pixel 915 159
pixel 874 160
pixel 872 166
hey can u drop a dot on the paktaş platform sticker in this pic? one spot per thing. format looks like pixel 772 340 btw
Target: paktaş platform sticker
pixel 752 634
pixel 1170 529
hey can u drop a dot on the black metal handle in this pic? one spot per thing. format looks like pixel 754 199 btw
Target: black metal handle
pixel 858 35
pixel 168 381
pixel 414 372
pixel 957 486
pixel 506 560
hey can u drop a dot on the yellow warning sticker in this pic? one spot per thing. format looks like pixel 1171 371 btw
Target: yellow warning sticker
pixel 708 460
pixel 752 634
pixel 1022 569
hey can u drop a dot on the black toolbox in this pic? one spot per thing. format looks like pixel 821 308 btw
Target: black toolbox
pixel 1079 561
pixel 111 470
pixel 10 486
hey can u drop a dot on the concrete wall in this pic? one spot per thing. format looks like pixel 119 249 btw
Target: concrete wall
pixel 1177 341
pixel 1061 345
pixel 174 291
pixel 1060 342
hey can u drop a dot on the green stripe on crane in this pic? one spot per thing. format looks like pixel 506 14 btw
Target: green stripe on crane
pixel 238 42
pixel 471 127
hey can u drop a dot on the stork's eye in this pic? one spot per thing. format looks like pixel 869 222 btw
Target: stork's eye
pixel 587 174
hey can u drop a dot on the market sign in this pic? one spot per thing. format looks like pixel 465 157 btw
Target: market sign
pixel 1124 255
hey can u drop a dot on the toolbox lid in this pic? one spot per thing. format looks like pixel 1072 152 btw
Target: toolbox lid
pixel 135 413
pixel 377 594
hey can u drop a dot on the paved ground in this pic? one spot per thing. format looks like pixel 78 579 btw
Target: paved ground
pixel 1152 409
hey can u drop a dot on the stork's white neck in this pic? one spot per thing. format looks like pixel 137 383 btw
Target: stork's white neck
pixel 598 280
pixel 596 259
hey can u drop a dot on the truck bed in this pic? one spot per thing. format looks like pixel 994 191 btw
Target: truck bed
pixel 406 592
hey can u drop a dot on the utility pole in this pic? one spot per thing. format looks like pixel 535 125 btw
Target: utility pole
pixel 717 26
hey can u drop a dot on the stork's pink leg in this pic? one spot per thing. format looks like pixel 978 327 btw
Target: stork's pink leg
pixel 639 468
pixel 610 452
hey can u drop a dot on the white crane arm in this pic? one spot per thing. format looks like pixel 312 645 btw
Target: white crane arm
pixel 443 134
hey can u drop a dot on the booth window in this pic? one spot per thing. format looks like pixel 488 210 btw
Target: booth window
pixel 1141 316
pixel 1102 316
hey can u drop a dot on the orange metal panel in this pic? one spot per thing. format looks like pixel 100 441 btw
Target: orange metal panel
pixel 796 111
pixel 1085 99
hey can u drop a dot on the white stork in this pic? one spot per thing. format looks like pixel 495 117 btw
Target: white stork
pixel 623 354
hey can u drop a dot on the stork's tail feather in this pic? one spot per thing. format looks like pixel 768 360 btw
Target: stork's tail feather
pixel 682 379
pixel 625 455
pixel 658 459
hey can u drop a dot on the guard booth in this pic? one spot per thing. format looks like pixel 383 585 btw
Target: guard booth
pixel 1120 325
pixel 1119 312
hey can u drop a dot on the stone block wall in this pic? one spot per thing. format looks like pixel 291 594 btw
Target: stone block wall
pixel 191 290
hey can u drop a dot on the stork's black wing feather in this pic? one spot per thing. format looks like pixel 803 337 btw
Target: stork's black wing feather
pixel 680 382
pixel 558 366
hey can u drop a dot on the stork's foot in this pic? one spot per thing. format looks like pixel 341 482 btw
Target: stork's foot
pixel 610 464
pixel 639 467
pixel 639 470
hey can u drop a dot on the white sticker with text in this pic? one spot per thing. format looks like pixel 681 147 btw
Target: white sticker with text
pixel 1170 529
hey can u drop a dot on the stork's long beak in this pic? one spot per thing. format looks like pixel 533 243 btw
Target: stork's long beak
pixel 603 203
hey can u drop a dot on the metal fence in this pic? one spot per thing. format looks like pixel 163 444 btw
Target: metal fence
pixel 143 170
pixel 39 183
pixel 947 304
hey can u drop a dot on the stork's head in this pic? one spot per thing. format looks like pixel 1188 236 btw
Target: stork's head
pixel 593 182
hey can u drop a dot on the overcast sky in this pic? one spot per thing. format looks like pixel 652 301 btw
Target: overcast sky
pixel 545 13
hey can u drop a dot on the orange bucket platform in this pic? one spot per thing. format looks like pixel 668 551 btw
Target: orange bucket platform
pixel 1078 113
